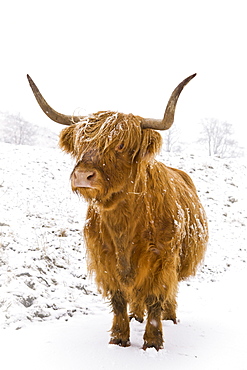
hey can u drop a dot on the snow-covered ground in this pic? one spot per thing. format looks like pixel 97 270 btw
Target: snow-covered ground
pixel 51 315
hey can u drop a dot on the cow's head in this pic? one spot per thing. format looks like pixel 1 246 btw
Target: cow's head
pixel 109 147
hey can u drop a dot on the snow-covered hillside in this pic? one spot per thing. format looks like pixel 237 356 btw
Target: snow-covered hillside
pixel 46 293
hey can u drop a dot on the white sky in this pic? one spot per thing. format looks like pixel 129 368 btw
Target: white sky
pixel 126 55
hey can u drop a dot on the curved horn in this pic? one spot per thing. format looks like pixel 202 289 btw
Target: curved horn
pixel 50 112
pixel 167 121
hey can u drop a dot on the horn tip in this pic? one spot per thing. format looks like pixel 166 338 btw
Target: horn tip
pixel 29 80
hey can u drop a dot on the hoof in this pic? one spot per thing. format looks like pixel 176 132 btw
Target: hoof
pixel 120 342
pixel 173 319
pixel 152 345
pixel 137 318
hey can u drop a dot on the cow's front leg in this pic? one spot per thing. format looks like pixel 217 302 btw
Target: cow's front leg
pixel 120 331
pixel 153 332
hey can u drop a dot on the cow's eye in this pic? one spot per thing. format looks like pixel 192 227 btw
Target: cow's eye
pixel 120 147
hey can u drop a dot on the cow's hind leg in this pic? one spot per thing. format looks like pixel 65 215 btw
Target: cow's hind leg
pixel 169 310
pixel 137 307
pixel 153 334
pixel 120 331
pixel 136 312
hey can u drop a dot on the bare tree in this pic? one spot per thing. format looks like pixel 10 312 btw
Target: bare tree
pixel 170 140
pixel 16 130
pixel 218 136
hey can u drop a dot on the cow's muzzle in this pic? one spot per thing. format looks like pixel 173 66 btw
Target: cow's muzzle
pixel 83 179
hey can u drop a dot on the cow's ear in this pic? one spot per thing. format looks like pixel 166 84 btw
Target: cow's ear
pixel 151 144
pixel 66 139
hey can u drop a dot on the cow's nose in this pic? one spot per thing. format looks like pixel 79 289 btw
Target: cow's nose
pixel 82 179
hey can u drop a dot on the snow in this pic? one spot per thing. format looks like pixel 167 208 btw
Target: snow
pixel 51 315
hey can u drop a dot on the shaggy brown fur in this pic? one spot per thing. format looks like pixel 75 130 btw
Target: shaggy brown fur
pixel 146 229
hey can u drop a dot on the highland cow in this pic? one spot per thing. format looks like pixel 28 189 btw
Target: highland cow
pixel 146 229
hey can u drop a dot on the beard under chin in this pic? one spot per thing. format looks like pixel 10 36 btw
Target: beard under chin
pixel 89 194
